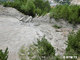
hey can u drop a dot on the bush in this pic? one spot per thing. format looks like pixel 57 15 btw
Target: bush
pixel 4 55
pixel 71 13
pixel 74 16
pixel 7 4
pixel 54 12
pixel 57 26
pixel 38 11
pixel 38 51
pixel 73 43
pixel 16 4
pixel 47 48
pixel 30 7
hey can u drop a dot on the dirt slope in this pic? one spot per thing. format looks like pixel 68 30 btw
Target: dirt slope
pixel 15 33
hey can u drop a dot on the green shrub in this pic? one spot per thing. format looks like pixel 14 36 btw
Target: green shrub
pixel 30 7
pixel 4 55
pixel 73 44
pixel 56 26
pixel 71 13
pixel 55 12
pixel 46 46
pixel 42 50
pixel 74 16
pixel 7 3
pixel 16 4
pixel 38 11
pixel 42 6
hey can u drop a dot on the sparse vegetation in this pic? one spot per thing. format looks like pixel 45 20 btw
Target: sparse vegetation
pixel 4 55
pixel 56 26
pixel 42 50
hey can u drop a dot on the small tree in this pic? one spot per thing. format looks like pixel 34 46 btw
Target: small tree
pixel 28 8
pixel 4 55
pixel 47 48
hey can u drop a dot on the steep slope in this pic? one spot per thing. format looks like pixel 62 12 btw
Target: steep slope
pixel 15 33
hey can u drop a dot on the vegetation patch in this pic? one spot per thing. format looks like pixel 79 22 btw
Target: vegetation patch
pixel 29 7
pixel 73 43
pixel 71 13
pixel 4 55
pixel 57 27
pixel 42 50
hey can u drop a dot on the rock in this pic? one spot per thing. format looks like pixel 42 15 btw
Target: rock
pixel 75 2
pixel 58 30
pixel 9 11
pixel 26 19
pixel 22 18
pixel 41 19
pixel 29 19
